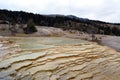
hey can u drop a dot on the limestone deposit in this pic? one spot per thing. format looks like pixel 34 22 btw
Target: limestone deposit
pixel 60 59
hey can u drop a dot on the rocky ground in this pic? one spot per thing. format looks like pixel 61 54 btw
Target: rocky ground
pixel 111 41
pixel 64 57
pixel 60 59
pixel 106 40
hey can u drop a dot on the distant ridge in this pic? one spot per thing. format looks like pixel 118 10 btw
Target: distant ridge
pixel 62 21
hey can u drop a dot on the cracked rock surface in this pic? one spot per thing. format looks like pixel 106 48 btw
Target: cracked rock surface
pixel 60 59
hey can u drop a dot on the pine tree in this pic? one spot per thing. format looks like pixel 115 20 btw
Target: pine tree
pixel 30 27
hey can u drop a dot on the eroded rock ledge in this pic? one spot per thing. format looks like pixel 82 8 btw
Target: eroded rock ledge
pixel 88 61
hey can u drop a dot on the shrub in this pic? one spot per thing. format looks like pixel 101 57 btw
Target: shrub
pixel 30 27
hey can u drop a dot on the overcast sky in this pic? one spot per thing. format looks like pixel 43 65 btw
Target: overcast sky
pixel 105 10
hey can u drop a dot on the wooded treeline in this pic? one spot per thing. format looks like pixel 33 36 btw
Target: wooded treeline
pixel 61 21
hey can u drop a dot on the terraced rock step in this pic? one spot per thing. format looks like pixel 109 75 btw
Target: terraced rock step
pixel 79 61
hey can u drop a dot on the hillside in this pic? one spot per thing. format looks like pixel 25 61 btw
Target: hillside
pixel 57 47
pixel 66 22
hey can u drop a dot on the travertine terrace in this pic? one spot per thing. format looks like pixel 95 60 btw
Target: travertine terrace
pixel 58 59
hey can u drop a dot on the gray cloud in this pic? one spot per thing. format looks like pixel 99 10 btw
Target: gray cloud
pixel 105 10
